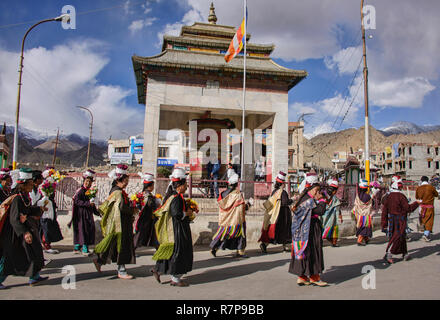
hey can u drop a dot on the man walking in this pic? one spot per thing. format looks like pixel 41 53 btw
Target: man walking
pixel 426 193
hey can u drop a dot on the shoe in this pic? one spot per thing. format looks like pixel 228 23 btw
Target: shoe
pixel 156 275
pixel 302 282
pixel 426 238
pixel 335 245
pixel 179 284
pixel 407 257
pixel 243 256
pixel 361 244
pixel 2 287
pixel 263 247
pixel 97 265
pixel 125 276
pixel 286 249
pixel 214 252
pixel 86 254
pixel 34 282
pixel 408 239
pixel 319 283
pixel 52 251
pixel 388 259
pixel 76 251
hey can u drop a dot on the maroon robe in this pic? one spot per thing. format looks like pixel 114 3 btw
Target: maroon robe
pixel 395 210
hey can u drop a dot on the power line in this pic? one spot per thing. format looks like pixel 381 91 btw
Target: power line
pixel 78 14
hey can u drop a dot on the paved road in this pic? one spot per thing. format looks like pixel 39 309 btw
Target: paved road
pixel 259 277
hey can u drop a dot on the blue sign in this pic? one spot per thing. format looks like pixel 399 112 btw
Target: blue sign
pixel 137 146
pixel 167 162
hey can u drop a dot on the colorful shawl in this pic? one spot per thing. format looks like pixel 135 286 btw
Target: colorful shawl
pixel 271 216
pixel 301 227
pixel 362 212
pixel 329 220
pixel 164 231
pixel 110 222
pixel 231 217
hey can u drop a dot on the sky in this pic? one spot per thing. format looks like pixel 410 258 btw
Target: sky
pixel 91 64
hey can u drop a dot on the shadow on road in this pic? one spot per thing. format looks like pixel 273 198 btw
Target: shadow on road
pixel 339 274
pixel 241 270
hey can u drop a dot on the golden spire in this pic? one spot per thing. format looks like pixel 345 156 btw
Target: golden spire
pixel 212 18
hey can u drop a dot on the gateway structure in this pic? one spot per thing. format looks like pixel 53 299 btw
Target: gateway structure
pixel 190 80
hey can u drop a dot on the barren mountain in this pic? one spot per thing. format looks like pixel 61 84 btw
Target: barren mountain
pixel 320 149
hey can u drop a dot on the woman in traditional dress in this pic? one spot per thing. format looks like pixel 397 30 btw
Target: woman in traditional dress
pixel 117 226
pixel 277 222
pixel 145 234
pixel 22 254
pixel 427 194
pixel 175 253
pixel 307 260
pixel 231 233
pixel 362 212
pixel 50 229
pixel 329 219
pixel 395 212
pixel 5 184
pixel 83 222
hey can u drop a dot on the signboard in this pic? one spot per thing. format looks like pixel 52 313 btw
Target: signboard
pixel 167 162
pixel 137 146
pixel 121 158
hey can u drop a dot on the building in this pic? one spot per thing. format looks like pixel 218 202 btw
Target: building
pixel 296 147
pixel 190 77
pixel 172 150
pixel 411 160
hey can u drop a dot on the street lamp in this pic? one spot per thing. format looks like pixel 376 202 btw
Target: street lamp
pixel 63 17
pixel 90 136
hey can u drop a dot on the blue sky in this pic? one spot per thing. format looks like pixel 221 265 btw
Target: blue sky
pixel 91 65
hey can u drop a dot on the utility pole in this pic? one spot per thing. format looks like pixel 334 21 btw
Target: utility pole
pixel 55 149
pixel 367 125
pixel 90 136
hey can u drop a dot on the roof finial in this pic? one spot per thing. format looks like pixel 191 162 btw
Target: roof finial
pixel 212 18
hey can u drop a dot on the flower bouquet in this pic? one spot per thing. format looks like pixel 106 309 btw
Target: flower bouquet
pixel 194 206
pixel 137 199
pixel 47 189
pixel 158 200
pixel 91 194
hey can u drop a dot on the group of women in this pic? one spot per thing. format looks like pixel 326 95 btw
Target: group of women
pixel 304 222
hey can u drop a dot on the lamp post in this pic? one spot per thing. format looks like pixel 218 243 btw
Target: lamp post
pixel 90 136
pixel 20 74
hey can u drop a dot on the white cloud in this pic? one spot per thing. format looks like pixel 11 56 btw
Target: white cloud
pixel 57 80
pixel 407 92
pixel 138 25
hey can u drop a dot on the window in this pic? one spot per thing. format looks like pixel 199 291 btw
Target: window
pixel 290 138
pixel 390 166
pixel 428 150
pixel 436 151
pixel 410 164
pixel 404 165
pixel 212 84
pixel 410 150
pixel 163 152
pixel 429 164
pixel 121 150
pixel 437 166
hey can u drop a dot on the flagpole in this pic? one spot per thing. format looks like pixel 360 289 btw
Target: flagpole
pixel 244 95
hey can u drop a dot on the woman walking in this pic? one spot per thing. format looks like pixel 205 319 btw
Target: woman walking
pixel 22 253
pixel 175 253
pixel 277 222
pixel 329 219
pixel 145 234
pixel 307 260
pixel 117 226
pixel 362 211
pixel 83 210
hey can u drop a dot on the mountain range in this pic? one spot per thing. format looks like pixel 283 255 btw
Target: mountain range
pixel 36 149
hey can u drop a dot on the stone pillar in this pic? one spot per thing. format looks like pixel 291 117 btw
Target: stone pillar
pixel 155 97
pixel 280 131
